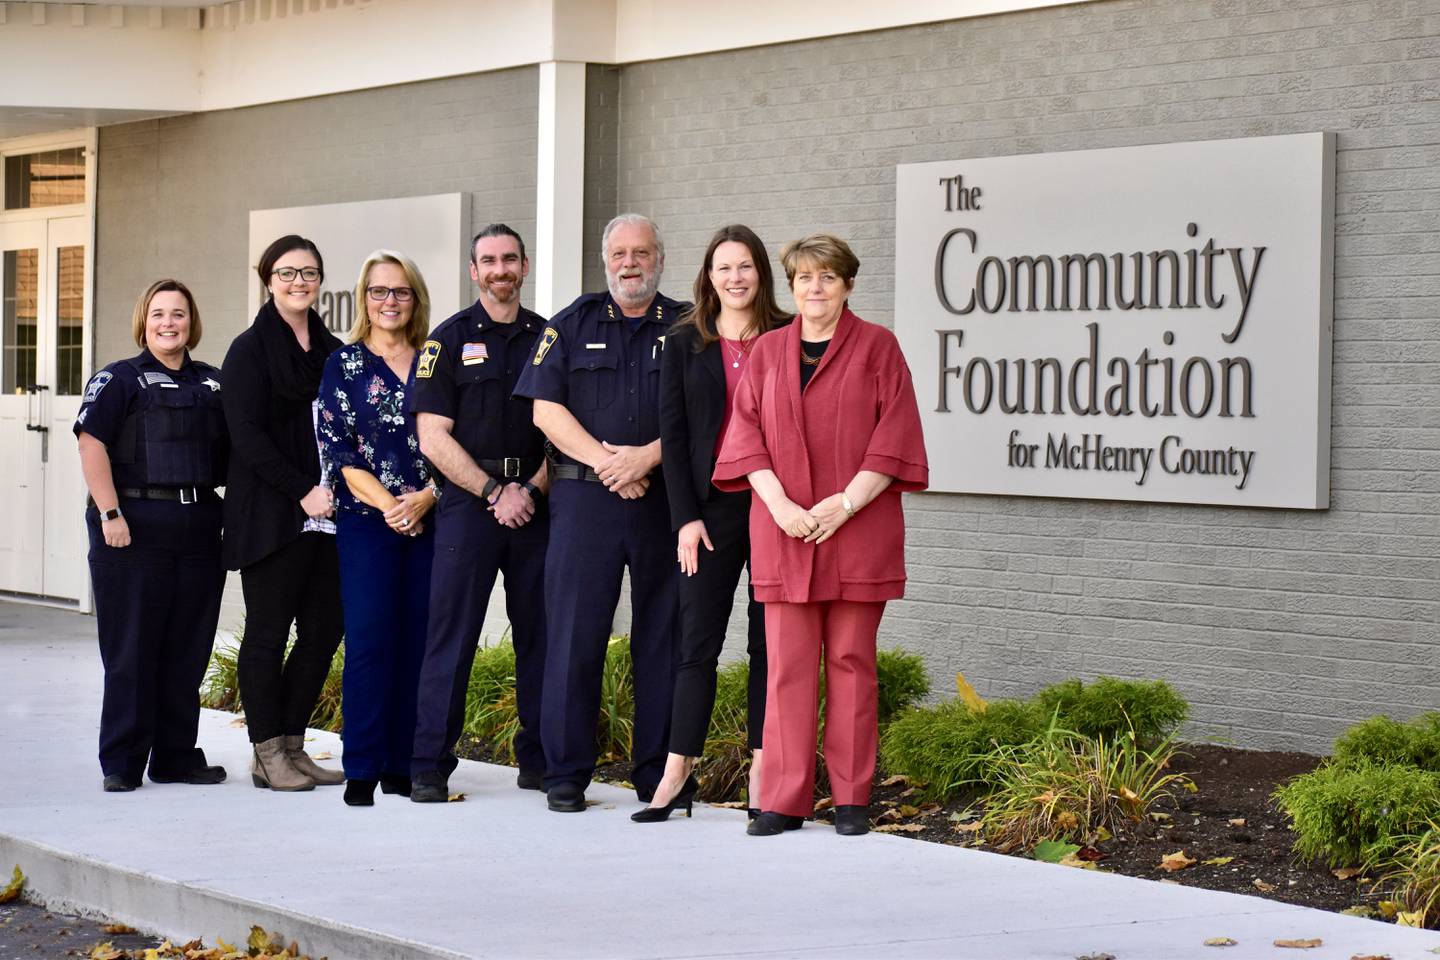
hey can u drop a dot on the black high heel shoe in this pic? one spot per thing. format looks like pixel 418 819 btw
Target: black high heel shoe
pixel 360 793
pixel 684 798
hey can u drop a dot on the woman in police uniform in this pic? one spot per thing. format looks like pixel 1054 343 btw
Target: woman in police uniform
pixel 153 448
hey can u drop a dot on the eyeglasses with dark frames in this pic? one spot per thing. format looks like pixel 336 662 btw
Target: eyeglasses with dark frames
pixel 288 274
pixel 401 294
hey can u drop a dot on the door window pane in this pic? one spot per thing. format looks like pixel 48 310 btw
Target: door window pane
pixel 21 309
pixel 45 179
pixel 69 320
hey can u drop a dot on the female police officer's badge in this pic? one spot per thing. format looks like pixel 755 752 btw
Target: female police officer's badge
pixel 97 383
pixel 547 340
pixel 428 355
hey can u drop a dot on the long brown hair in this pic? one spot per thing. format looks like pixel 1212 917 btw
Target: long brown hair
pixel 765 313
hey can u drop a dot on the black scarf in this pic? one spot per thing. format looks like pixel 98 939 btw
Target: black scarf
pixel 294 373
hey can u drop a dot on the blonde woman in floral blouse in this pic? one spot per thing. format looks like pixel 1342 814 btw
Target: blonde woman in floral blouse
pixel 383 495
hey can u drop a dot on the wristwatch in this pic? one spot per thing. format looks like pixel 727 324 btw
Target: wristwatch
pixel 845 502
pixel 112 514
pixel 491 486
pixel 531 489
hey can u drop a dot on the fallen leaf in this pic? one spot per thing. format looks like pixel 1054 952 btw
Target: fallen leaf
pixel 972 699
pixel 237 722
pixel 1237 822
pixel 887 816
pixel 1345 873
pixel 1389 909
pixel 1101 835
pixel 1360 910
pixel 973 827
pixel 1300 944
pixel 13 888
pixel 1053 851
pixel 1159 817
pixel 731 805
pixel 928 808
pixel 1220 942
pixel 104 951
pixel 1091 854
pixel 1074 860
pixel 823 804
pixel 1175 861
pixel 455 798
pixel 959 815
pixel 322 755
pixel 1067 820
pixel 908 811
pixel 1097 956
pixel 1371 956
pixel 117 929
pixel 1218 861
pixel 895 781
pixel 1128 794
pixel 1262 886
pixel 908 791
pixel 1413 918
pixel 899 828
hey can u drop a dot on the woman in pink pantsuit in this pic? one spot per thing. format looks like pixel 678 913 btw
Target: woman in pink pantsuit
pixel 827 433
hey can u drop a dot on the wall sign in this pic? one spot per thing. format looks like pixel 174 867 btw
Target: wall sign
pixel 432 231
pixel 1139 323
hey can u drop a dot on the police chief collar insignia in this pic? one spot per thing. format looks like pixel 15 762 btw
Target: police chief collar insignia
pixel 97 383
pixel 547 340
pixel 428 355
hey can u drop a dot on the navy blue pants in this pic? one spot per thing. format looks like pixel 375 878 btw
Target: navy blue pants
pixel 594 536
pixel 157 603
pixel 471 549
pixel 385 589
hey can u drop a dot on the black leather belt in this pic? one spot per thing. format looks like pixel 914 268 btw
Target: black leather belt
pixel 511 468
pixel 182 494
pixel 574 471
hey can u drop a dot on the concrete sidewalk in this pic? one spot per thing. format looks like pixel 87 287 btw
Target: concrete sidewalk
pixel 500 876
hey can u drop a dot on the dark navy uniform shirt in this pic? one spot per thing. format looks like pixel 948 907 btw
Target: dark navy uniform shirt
pixel 467 371
pixel 160 427
pixel 604 368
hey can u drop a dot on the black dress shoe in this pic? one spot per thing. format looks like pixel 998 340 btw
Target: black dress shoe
pixel 769 823
pixel 115 783
pixel 684 798
pixel 201 776
pixel 566 798
pixel 530 779
pixel 394 783
pixel 360 793
pixel 852 820
pixel 431 787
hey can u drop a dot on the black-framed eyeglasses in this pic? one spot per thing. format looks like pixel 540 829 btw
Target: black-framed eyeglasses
pixel 288 274
pixel 401 294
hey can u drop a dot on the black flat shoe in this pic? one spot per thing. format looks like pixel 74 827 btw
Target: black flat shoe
pixel 200 776
pixel 751 813
pixel 118 784
pixel 852 820
pixel 360 793
pixel 566 798
pixel 391 783
pixel 432 787
pixel 530 779
pixel 769 824
pixel 684 798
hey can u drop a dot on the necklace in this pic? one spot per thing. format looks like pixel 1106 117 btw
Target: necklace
pixel 808 360
pixel 739 353
pixel 403 349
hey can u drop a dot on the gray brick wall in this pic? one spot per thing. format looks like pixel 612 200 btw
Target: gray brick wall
pixel 1281 627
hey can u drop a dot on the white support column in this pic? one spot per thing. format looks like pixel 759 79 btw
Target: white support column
pixel 555 257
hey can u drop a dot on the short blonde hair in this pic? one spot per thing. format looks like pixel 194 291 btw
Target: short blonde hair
pixel 142 308
pixel 823 250
pixel 419 325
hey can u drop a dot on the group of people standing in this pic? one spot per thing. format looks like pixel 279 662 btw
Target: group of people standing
pixel 375 490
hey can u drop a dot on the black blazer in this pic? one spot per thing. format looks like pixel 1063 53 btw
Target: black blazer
pixel 274 460
pixel 692 406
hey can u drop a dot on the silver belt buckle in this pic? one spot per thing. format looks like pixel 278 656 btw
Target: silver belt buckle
pixel 511 466
pixel 194 494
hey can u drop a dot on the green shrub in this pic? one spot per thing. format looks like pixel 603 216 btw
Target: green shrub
pixel 1358 811
pixel 1412 875
pixel 726 764
pixel 902 681
pixel 1111 707
pixel 490 712
pixel 1383 740
pixel 220 689
pixel 949 747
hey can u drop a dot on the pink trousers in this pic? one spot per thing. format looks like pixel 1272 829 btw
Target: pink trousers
pixel 795 635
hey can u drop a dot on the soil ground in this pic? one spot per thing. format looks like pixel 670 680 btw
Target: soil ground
pixel 30 932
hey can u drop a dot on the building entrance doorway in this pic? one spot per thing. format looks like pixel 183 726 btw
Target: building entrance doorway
pixel 43 357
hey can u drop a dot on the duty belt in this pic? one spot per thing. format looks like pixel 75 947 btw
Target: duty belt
pixel 511 468
pixel 183 494
pixel 574 471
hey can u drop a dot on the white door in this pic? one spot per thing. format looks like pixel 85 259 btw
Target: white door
pixel 42 376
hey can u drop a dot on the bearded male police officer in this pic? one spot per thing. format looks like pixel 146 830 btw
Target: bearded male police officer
pixel 595 381
pixel 492 515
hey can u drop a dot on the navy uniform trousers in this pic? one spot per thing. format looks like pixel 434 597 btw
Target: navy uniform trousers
pixel 594 536
pixel 470 549
pixel 157 603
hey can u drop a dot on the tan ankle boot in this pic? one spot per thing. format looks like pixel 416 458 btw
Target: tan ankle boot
pixel 272 768
pixel 302 761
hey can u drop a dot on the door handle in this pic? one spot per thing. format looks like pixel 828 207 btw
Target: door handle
pixel 36 400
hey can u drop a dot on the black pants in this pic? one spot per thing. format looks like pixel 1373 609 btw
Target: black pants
pixel 156 605
pixel 299 584
pixel 705 603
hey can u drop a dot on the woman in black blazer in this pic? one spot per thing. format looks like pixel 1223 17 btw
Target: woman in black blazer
pixel 704 359
pixel 277 531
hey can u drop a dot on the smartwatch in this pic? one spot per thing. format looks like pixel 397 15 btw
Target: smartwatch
pixel 531 489
pixel 112 514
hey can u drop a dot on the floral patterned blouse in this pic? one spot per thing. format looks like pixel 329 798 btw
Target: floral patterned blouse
pixel 363 423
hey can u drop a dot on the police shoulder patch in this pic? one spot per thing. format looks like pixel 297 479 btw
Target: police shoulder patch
pixel 547 340
pixel 97 383
pixel 428 355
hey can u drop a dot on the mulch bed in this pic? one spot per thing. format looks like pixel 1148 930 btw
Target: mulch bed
pixel 1233 786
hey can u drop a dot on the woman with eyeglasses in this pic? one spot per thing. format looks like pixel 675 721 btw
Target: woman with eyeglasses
pixel 277 508
pixel 383 494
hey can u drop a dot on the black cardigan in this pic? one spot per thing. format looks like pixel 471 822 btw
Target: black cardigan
pixel 692 407
pixel 274 460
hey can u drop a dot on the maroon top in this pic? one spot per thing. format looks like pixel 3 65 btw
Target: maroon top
pixel 735 354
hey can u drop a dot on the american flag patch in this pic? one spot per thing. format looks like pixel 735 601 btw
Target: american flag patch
pixel 164 379
pixel 473 353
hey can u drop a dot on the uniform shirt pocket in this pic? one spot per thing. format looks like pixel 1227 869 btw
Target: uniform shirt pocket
pixel 594 379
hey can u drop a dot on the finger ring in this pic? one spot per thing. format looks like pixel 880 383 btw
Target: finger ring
pixel 405 522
